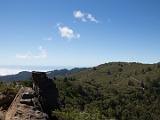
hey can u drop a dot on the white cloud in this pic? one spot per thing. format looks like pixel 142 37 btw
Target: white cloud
pixel 78 14
pixel 41 55
pixel 68 33
pixel 91 18
pixel 84 17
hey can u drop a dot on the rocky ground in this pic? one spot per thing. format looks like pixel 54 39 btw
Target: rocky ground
pixel 31 103
pixel 25 107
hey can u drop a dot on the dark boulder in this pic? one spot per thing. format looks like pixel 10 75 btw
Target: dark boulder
pixel 46 91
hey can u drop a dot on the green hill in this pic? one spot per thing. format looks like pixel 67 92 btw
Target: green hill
pixel 117 90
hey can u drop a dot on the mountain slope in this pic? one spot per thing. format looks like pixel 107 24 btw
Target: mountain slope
pixel 121 91
pixel 24 75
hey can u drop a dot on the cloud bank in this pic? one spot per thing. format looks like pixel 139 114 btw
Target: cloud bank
pixel 9 71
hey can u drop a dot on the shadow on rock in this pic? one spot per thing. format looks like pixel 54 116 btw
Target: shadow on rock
pixel 46 91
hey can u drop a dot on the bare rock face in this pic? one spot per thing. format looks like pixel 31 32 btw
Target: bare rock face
pixel 33 104
pixel 25 107
pixel 46 91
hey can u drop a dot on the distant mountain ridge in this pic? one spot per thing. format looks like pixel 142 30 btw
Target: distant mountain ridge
pixel 26 75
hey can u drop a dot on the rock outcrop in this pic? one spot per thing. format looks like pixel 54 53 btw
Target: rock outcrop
pixel 25 107
pixel 34 103
pixel 6 99
pixel 46 91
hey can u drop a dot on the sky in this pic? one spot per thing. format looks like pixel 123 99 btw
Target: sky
pixel 78 33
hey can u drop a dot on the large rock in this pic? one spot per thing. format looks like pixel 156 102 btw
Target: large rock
pixel 27 98
pixel 46 91
pixel 6 100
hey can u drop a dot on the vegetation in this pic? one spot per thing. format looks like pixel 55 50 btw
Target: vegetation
pixel 8 87
pixel 14 86
pixel 121 91
pixel 27 83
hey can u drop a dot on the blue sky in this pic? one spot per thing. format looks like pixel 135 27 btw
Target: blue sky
pixel 78 32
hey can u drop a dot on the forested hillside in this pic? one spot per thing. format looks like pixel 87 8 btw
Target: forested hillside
pixel 121 91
